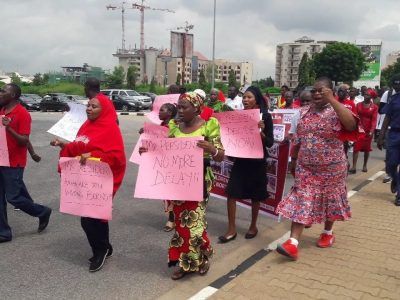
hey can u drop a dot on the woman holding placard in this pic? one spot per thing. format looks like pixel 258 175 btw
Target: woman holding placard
pixel 190 246
pixel 99 137
pixel 248 179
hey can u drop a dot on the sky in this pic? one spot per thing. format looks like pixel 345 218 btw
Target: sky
pixel 43 35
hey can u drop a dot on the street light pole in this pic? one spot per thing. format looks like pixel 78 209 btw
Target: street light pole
pixel 213 52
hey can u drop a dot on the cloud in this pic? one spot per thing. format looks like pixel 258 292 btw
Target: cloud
pixel 43 35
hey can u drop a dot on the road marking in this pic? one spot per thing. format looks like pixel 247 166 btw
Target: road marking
pixel 204 293
pixel 210 290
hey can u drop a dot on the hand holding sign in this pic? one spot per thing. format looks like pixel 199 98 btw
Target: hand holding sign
pixel 86 190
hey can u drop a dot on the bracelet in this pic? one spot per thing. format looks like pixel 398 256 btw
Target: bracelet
pixel 216 153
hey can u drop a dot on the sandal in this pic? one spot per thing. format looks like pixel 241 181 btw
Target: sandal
pixel 365 169
pixel 204 267
pixel 179 274
pixel 169 226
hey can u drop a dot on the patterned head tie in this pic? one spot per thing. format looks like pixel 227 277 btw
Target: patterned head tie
pixel 194 99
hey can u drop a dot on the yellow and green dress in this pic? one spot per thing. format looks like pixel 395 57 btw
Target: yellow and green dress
pixel 190 243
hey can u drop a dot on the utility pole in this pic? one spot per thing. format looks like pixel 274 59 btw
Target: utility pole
pixel 213 51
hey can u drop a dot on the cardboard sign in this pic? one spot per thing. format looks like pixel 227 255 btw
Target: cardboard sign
pixel 4 157
pixel 67 127
pixel 172 168
pixel 86 190
pixel 240 134
pixel 150 131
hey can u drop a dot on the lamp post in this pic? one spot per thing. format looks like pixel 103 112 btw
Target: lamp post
pixel 213 51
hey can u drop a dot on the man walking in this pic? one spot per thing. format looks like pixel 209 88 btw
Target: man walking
pixel 17 122
pixel 392 120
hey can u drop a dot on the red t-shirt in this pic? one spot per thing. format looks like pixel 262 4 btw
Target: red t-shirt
pixel 21 123
pixel 349 104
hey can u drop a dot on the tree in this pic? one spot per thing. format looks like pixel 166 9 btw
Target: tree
pixel 232 78
pixel 209 73
pixel 388 72
pixel 341 62
pixel 45 78
pixel 153 85
pixel 132 77
pixel 202 80
pixel 306 74
pixel 37 79
pixel 116 78
pixel 178 79
pixel 15 79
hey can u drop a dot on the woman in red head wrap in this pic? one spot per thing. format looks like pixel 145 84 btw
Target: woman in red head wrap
pixel 98 137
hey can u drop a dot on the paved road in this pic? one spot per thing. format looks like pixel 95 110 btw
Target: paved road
pixel 53 265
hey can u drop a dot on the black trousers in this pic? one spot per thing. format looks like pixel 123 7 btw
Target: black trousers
pixel 97 233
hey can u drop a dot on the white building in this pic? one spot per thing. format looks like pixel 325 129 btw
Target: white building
pixel 391 58
pixel 288 57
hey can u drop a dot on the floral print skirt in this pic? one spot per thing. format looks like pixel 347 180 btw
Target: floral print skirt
pixel 319 194
pixel 190 243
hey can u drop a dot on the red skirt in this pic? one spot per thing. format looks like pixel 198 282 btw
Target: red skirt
pixel 363 144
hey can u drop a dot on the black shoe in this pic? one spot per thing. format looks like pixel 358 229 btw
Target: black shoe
pixel 386 179
pixel 98 262
pixel 4 240
pixel 44 221
pixel 249 235
pixel 397 202
pixel 226 239
pixel 109 254
pixel 393 186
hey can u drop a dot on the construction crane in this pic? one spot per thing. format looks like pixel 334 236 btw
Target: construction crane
pixel 186 28
pixel 140 7
pixel 122 8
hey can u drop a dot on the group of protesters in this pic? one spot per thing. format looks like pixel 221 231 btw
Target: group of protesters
pixel 327 120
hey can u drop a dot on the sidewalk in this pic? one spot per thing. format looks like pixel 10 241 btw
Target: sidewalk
pixel 364 262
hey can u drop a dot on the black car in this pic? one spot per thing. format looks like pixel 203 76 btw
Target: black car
pixel 125 104
pixel 56 103
pixel 35 97
pixel 29 103
pixel 148 94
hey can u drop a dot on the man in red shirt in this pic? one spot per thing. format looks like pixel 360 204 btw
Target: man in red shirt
pixel 17 122
pixel 343 97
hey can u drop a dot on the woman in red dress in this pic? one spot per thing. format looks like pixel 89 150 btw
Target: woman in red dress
pixel 367 112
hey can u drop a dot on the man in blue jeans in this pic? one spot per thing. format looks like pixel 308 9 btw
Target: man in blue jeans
pixel 392 120
pixel 17 123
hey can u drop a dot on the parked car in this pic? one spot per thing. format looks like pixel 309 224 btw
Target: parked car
pixel 56 103
pixel 129 94
pixel 148 94
pixel 125 103
pixel 79 99
pixel 28 102
pixel 35 97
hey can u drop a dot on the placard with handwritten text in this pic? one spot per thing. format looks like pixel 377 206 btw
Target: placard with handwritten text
pixel 171 168
pixel 86 190
pixel 4 158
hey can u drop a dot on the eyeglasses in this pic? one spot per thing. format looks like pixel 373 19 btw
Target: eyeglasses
pixel 313 91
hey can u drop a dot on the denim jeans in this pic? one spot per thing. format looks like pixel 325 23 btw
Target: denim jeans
pixel 393 157
pixel 13 191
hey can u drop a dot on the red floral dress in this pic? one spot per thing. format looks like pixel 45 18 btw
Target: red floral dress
pixel 368 116
pixel 319 192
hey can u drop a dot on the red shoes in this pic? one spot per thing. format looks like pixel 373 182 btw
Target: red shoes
pixel 288 249
pixel 326 240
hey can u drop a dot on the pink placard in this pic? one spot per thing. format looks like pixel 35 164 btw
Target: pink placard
pixel 86 190
pixel 240 134
pixel 4 158
pixel 172 168
pixel 150 131
pixel 158 102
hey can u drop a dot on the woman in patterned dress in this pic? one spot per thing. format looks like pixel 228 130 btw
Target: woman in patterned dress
pixel 368 114
pixel 319 193
pixel 190 246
